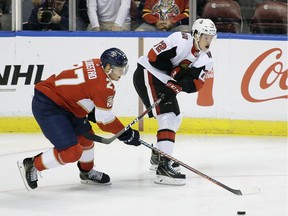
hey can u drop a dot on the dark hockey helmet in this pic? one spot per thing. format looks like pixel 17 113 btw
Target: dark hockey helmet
pixel 115 57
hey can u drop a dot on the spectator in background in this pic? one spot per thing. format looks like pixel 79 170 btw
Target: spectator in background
pixel 140 7
pixel 5 15
pixel 37 2
pixel 134 15
pixel 82 14
pixel 165 15
pixel 200 7
pixel 50 15
pixel 109 15
pixel 136 12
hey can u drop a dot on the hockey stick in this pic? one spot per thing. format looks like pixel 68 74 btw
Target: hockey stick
pixel 111 139
pixel 234 191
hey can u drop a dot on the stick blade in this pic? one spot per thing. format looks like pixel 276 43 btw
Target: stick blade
pixel 250 191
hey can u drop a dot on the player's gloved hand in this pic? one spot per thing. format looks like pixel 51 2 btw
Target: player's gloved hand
pixel 196 73
pixel 179 72
pixel 91 116
pixel 194 80
pixel 183 71
pixel 172 88
pixel 130 137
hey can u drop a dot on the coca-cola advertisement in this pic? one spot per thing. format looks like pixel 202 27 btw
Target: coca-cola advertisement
pixel 272 83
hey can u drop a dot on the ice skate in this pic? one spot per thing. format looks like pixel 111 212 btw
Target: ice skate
pixel 94 177
pixel 154 161
pixel 28 173
pixel 166 174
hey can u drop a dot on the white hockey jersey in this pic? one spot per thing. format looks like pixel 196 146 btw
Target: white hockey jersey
pixel 174 50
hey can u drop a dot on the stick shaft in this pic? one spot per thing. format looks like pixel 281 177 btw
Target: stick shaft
pixel 111 139
pixel 237 192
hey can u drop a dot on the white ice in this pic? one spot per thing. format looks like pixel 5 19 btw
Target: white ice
pixel 238 162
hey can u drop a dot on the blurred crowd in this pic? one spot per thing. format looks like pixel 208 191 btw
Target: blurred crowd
pixel 5 15
pixel 235 16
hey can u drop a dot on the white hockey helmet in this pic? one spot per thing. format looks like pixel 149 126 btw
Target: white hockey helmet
pixel 203 26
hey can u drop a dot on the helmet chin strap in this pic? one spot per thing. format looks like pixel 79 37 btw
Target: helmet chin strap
pixel 110 71
pixel 197 39
pixel 198 46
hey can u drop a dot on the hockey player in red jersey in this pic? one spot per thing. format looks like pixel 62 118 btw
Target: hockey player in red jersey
pixel 60 106
pixel 177 64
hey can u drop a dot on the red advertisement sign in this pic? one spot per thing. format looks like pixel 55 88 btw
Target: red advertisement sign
pixel 275 74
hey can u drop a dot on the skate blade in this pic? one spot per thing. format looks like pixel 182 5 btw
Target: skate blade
pixel 22 172
pixel 154 168
pixel 89 182
pixel 169 181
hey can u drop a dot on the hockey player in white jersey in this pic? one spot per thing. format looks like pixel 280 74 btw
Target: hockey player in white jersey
pixel 177 63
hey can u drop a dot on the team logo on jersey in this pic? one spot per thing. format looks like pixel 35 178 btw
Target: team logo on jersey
pixel 110 101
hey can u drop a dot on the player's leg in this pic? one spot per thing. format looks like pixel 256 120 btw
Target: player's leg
pixel 49 159
pixel 149 88
pixel 57 128
pixel 88 174
pixel 168 124
pixel 155 159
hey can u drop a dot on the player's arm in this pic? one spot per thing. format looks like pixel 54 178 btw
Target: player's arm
pixel 159 57
pixel 190 79
pixel 108 122
pixel 161 54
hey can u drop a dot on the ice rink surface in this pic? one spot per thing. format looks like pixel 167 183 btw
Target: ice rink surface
pixel 237 162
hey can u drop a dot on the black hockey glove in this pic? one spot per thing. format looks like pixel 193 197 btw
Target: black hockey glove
pixel 179 72
pixel 130 137
pixel 196 72
pixel 188 85
pixel 194 80
pixel 183 71
pixel 171 89
pixel 91 116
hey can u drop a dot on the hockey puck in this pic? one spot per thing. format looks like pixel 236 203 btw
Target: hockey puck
pixel 241 212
